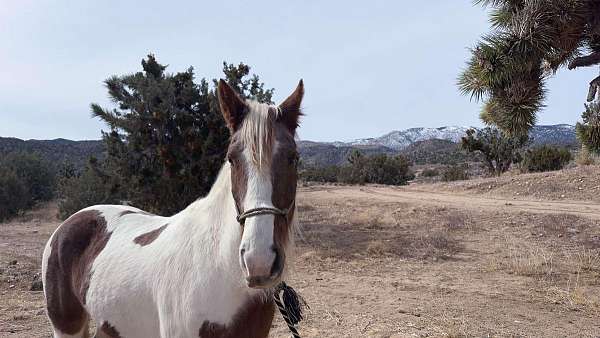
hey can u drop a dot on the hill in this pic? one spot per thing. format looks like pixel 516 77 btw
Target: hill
pixel 421 145
pixel 55 151
pixel 436 151
pixel 325 154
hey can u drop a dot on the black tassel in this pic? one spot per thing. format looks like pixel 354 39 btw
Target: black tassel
pixel 293 302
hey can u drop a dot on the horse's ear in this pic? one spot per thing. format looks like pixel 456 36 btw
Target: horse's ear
pixel 290 108
pixel 232 105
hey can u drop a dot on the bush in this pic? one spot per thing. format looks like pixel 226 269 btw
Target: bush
pixel 499 150
pixel 13 194
pixel 355 171
pixel 380 169
pixel 324 174
pixel 546 158
pixel 455 173
pixel 585 157
pixel 37 175
pixel 90 187
pixel 430 172
pixel 25 179
pixel 588 132
pixel 392 170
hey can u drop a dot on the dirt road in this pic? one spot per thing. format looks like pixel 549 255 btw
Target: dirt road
pixel 457 200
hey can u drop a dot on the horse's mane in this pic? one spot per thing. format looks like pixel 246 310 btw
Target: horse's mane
pixel 257 132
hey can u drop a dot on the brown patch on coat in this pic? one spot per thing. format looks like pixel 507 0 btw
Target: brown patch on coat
pixel 239 172
pixel 75 245
pixel 108 331
pixel 253 320
pixel 284 180
pixel 149 237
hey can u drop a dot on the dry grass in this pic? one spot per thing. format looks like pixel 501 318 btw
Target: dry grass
pixel 529 261
pixel 438 244
pixel 563 275
pixel 457 220
pixel 572 296
pixel 585 260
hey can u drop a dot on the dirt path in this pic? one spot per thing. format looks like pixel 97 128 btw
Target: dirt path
pixel 458 200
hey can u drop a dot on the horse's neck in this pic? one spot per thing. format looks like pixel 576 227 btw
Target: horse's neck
pixel 210 224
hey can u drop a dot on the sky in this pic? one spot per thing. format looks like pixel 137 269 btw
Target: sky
pixel 369 67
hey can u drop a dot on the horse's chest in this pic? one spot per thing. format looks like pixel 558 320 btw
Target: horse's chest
pixel 252 320
pixel 205 306
pixel 218 314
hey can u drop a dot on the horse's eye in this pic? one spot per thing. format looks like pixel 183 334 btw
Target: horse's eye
pixel 293 160
pixel 230 160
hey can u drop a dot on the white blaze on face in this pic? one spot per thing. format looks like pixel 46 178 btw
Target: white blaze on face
pixel 257 239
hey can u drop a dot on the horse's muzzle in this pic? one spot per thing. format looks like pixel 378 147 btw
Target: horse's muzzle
pixel 264 278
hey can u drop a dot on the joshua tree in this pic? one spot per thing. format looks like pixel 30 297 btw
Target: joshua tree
pixel 529 41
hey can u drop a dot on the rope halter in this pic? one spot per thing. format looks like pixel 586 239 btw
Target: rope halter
pixel 241 217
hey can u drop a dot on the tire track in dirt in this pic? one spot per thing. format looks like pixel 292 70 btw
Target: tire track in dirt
pixel 463 201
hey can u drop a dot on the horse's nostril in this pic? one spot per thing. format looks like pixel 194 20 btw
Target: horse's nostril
pixel 277 266
pixel 242 252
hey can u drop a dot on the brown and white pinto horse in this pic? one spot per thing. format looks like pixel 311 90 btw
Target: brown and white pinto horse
pixel 199 273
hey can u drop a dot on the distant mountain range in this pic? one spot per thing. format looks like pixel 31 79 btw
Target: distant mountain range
pixel 421 145
pixel 559 134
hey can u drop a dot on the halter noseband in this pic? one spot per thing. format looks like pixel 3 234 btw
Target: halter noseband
pixel 241 217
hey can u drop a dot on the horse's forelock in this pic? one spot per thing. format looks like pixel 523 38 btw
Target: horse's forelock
pixel 257 132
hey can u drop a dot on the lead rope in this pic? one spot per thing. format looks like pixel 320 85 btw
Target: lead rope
pixel 290 307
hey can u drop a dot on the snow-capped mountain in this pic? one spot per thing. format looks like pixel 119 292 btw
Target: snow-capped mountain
pixel 561 134
pixel 400 139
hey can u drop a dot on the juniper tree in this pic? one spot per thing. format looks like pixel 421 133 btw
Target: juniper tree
pixel 498 149
pixel 167 138
pixel 588 131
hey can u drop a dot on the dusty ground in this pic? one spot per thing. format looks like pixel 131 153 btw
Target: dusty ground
pixel 442 260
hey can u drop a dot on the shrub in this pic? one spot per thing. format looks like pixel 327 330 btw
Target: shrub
pixel 324 174
pixel 585 157
pixel 455 173
pixel 355 171
pixel 37 175
pixel 499 150
pixel 545 158
pixel 430 172
pixel 13 194
pixel 25 179
pixel 90 187
pixel 588 132
pixel 381 169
